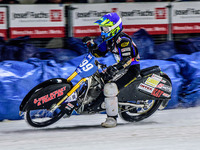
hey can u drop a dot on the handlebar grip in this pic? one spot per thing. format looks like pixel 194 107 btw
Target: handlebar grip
pixel 101 65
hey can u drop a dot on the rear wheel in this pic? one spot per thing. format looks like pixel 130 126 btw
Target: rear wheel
pixel 42 117
pixel 134 114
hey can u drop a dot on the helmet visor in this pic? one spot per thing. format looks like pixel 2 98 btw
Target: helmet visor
pixel 105 29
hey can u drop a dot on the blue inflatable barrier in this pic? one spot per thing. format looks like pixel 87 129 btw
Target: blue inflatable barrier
pixel 76 45
pixel 2 43
pixel 59 55
pixel 16 80
pixel 145 44
pixel 190 70
pixel 18 49
pixel 188 46
pixel 165 50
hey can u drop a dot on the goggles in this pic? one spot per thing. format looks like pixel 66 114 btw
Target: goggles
pixel 106 29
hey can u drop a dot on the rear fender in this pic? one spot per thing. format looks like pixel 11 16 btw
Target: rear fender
pixel 45 94
pixel 153 86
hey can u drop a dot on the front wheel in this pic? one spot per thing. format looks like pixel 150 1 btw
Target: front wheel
pixel 135 114
pixel 42 117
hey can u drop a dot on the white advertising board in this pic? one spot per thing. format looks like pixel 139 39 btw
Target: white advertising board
pixel 153 17
pixel 37 21
pixel 3 22
pixel 186 17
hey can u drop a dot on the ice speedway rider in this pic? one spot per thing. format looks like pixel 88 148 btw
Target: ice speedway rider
pixel 126 55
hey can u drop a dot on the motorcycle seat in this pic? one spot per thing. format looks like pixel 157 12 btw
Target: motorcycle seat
pixel 149 70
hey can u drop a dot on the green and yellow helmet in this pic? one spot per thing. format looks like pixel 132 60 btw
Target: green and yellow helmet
pixel 110 24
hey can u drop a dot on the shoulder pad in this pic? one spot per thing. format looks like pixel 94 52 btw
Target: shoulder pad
pixel 124 42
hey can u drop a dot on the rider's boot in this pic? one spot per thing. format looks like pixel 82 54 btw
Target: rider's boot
pixel 111 103
pixel 110 122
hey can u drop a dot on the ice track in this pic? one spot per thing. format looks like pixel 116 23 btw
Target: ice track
pixel 175 129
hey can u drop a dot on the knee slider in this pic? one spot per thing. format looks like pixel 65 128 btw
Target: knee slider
pixel 110 90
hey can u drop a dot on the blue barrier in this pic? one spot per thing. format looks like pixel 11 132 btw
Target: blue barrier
pixel 75 44
pixel 59 55
pixel 16 79
pixel 145 44
pixel 188 46
pixel 165 50
pixel 17 49
pixel 190 71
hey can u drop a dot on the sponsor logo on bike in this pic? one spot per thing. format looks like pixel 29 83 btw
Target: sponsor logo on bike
pixel 157 92
pixel 69 106
pixel 153 80
pixel 156 77
pixel 163 81
pixel 146 88
pixel 164 87
pixel 166 95
pixel 71 98
pixel 160 85
pixel 48 97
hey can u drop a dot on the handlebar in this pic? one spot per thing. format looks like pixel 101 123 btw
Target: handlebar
pixel 100 65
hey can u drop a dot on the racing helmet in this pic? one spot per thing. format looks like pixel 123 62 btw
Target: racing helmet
pixel 110 24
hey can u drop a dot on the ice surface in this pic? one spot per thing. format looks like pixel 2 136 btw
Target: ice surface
pixel 175 129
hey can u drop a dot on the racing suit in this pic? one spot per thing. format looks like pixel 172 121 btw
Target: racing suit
pixel 126 55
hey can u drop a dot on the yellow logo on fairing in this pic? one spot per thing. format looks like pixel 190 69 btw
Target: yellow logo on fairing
pixel 124 44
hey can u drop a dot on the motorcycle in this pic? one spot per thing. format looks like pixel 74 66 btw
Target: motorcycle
pixel 58 97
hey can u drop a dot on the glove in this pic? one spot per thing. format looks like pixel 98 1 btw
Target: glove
pixel 112 70
pixel 88 42
pixel 110 73
pixel 92 46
